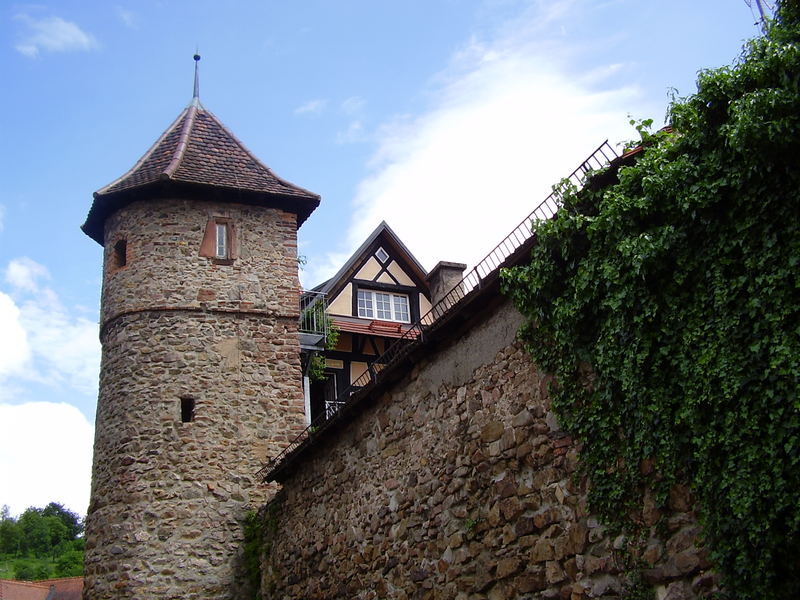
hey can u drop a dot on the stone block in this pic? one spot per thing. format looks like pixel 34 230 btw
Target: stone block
pixel 531 581
pixel 553 572
pixel 511 508
pixel 492 431
pixel 542 551
pixel 507 567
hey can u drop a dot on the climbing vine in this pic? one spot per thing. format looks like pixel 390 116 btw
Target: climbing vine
pixel 253 541
pixel 259 532
pixel 667 305
pixel 316 364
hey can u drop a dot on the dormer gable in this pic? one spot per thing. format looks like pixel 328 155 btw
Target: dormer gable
pixel 381 282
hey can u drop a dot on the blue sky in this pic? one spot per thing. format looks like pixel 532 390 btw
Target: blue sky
pixel 450 119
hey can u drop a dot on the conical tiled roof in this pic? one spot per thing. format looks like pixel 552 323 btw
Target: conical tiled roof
pixel 198 156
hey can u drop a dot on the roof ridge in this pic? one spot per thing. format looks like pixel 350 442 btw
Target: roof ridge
pixel 36 584
pixel 196 152
pixel 183 141
pixel 145 156
pixel 383 228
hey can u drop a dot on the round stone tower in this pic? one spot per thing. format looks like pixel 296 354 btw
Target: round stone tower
pixel 200 379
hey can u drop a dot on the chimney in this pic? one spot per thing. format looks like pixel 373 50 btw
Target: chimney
pixel 443 278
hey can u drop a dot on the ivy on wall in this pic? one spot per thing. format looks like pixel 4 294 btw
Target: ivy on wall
pixel 259 532
pixel 667 305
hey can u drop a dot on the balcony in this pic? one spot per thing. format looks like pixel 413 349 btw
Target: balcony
pixel 314 321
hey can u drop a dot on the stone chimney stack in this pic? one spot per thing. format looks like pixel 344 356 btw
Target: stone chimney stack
pixel 443 278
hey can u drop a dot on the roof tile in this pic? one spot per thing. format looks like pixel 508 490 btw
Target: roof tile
pixel 198 150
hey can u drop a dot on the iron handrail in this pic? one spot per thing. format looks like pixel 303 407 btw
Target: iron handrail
pixel 415 334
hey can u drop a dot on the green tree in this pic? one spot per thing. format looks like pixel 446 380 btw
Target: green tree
pixel 69 564
pixel 30 570
pixel 10 536
pixel 35 533
pixel 71 520
pixel 665 301
pixel 78 544
pixel 58 535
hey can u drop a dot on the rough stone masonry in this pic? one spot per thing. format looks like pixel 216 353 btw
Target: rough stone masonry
pixel 458 483
pixel 189 338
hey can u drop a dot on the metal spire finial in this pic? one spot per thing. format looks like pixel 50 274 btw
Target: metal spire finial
pixel 196 94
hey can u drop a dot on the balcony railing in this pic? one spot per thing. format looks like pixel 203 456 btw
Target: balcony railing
pixel 314 321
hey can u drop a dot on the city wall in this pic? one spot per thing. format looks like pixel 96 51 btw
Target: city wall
pixel 457 482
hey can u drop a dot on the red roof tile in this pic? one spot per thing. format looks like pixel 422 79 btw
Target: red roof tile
pixel 23 590
pixel 198 153
pixel 370 327
pixel 66 588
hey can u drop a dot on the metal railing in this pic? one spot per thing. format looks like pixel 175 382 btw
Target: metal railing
pixel 415 334
pixel 313 313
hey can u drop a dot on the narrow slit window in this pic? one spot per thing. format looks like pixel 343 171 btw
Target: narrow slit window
pixel 222 240
pixel 120 254
pixel 187 410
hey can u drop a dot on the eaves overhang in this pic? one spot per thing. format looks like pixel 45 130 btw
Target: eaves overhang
pixel 105 205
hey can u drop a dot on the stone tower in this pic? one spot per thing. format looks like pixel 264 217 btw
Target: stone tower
pixel 200 378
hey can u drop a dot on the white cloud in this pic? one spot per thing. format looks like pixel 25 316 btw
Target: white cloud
pixel 24 273
pixel 354 133
pixel 45 447
pixel 45 456
pixel 65 347
pixel 46 342
pixel 52 34
pixel 14 348
pixel 353 105
pixel 508 119
pixel 129 18
pixel 312 107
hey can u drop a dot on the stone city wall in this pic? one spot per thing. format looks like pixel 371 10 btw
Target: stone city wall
pixel 458 483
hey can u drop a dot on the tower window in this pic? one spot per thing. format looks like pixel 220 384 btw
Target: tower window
pixel 222 240
pixel 187 410
pixel 219 241
pixel 120 254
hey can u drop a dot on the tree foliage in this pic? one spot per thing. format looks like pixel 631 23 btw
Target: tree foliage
pixel 30 570
pixel 69 564
pixel 667 305
pixel 51 533
pixel 71 520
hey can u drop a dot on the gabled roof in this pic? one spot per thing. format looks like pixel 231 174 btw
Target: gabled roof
pixel 198 156
pixel 64 588
pixel 383 231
